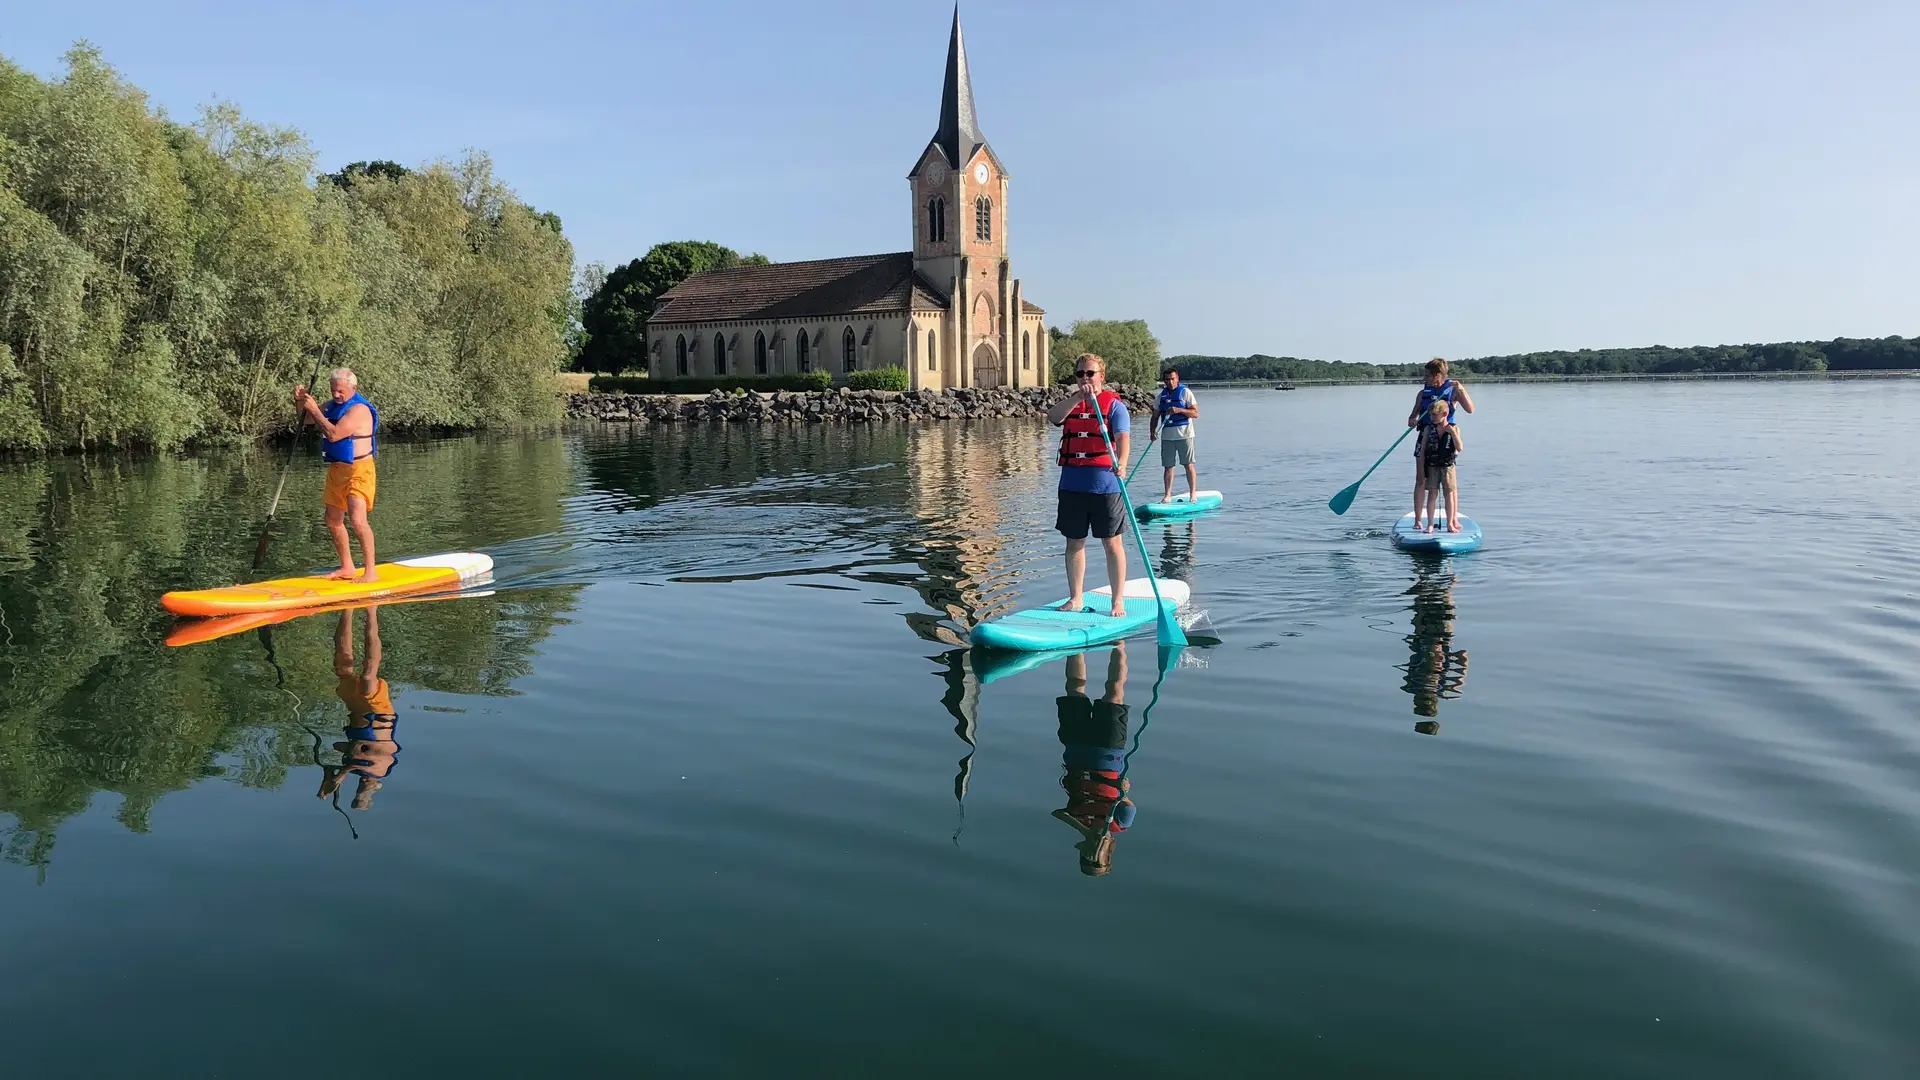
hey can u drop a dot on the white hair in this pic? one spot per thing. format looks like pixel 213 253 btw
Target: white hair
pixel 345 375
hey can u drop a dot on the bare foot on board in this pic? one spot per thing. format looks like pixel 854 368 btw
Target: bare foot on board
pixel 345 573
pixel 1119 611
pixel 1454 526
pixel 368 576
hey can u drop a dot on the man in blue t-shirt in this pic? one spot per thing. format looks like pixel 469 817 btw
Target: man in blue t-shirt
pixel 1091 497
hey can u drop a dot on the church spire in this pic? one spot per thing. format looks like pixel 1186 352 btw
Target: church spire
pixel 959 130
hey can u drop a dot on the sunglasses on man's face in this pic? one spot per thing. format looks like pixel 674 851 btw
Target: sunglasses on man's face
pixel 1086 373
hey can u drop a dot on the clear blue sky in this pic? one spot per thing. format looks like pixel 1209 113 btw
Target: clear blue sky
pixel 1361 181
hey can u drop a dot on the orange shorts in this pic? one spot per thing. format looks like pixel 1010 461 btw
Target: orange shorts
pixel 347 479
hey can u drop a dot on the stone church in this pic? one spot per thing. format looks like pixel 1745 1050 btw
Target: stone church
pixel 949 311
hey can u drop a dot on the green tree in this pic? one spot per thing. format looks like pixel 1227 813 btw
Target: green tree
pixel 361 170
pixel 614 318
pixel 1131 351
pixel 162 283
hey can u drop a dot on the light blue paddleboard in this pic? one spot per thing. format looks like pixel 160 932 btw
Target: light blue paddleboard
pixel 1439 540
pixel 1046 628
pixel 1180 505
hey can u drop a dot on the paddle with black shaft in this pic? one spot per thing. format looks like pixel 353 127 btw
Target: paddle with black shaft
pixel 1165 626
pixel 266 531
pixel 1339 503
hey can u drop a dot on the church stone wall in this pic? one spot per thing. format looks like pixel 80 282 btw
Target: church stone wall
pixel 883 335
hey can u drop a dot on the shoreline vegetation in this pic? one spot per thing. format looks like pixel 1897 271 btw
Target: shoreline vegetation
pixel 165 284
pixel 1894 353
pixel 1598 377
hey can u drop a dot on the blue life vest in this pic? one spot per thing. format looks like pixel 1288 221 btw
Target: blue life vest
pixel 1429 395
pixel 341 450
pixel 1177 398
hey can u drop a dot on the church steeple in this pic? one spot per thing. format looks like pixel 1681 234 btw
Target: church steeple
pixel 959 132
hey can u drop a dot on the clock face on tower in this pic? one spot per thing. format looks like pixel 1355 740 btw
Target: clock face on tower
pixel 980 173
pixel 936 172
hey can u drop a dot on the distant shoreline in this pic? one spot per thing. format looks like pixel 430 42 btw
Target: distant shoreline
pixel 1612 376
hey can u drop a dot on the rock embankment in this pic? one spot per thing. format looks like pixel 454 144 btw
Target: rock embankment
pixel 840 406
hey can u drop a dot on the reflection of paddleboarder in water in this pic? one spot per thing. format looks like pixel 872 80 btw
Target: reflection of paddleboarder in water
pixel 369 749
pixel 1093 740
pixel 1176 553
pixel 1435 671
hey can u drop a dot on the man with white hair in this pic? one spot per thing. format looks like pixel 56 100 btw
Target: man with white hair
pixel 347 424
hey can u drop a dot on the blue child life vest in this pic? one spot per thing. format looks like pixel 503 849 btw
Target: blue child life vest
pixel 340 450
pixel 1429 395
pixel 1177 398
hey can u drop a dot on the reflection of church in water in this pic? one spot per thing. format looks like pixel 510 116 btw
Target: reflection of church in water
pixel 949 311
pixel 964 560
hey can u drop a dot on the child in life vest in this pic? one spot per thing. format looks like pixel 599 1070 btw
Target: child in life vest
pixel 1438 449
pixel 1438 388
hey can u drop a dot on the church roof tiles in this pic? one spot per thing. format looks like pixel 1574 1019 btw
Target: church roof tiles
pixel 859 285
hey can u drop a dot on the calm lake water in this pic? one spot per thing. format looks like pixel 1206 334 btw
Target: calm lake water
pixel 706 787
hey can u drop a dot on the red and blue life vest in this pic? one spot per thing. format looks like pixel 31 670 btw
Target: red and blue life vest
pixel 1081 443
pixel 342 450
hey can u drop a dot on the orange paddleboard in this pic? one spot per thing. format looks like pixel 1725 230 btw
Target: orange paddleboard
pixel 396 578
pixel 195 631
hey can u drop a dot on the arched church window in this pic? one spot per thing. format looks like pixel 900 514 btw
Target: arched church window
pixel 848 349
pixel 936 220
pixel 983 218
pixel 1026 349
pixel 933 352
pixel 680 355
pixel 760 352
pixel 719 355
pixel 802 351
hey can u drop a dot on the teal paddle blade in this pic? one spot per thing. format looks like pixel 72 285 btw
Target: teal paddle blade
pixel 1340 503
pixel 1169 629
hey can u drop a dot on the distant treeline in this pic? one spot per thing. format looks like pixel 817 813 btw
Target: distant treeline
pixel 165 283
pixel 1840 354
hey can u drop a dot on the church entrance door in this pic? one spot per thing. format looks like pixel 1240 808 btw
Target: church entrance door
pixel 986 367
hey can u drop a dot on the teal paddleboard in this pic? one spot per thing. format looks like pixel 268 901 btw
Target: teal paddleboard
pixel 1047 628
pixel 1180 505
pixel 1439 540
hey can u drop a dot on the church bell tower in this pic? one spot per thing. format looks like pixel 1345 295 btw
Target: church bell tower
pixel 960 229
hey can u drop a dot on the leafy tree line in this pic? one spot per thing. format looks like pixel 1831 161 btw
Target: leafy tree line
pixel 165 283
pixel 615 305
pixel 1131 351
pixel 1840 354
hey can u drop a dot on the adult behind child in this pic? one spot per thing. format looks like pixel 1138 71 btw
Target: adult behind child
pixel 1172 423
pixel 1091 497
pixel 1438 388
